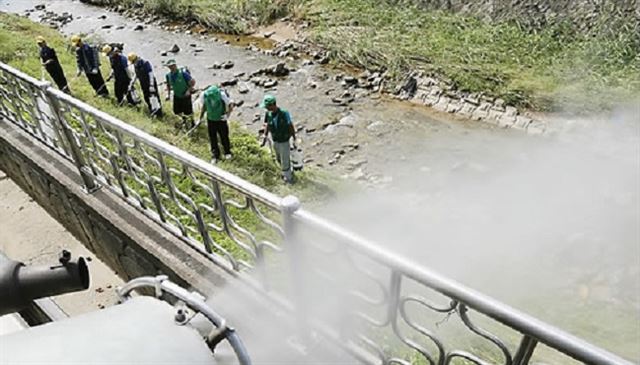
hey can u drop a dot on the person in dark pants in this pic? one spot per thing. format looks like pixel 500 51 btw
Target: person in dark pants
pixel 121 74
pixel 148 83
pixel 181 82
pixel 89 64
pixel 50 62
pixel 216 103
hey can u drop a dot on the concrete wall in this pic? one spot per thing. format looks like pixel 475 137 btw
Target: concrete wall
pixel 126 240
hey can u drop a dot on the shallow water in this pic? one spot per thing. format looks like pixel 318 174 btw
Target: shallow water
pixel 534 221
pixel 312 110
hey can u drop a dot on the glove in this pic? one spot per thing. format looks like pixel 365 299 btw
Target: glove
pixel 152 89
pixel 94 71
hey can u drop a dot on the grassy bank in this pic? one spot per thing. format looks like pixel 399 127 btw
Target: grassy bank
pixel 544 70
pixel 527 69
pixel 226 16
pixel 250 161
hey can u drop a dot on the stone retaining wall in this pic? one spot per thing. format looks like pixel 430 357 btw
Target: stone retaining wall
pixel 431 92
pixel 127 241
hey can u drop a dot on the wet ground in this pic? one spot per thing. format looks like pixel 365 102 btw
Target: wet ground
pixel 538 222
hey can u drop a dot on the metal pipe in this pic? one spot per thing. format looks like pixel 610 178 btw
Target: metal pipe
pixel 21 284
pixel 161 284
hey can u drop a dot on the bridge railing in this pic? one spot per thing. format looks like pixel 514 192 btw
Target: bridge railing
pixel 383 308
pixel 187 196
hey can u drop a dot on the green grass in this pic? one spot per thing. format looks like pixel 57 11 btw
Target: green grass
pixel 227 16
pixel 254 164
pixel 250 161
pixel 534 70
pixel 555 68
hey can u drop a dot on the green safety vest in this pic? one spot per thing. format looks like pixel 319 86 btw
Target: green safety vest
pixel 178 83
pixel 214 104
pixel 278 125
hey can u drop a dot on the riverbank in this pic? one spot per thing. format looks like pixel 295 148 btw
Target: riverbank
pixel 250 161
pixel 349 130
pixel 430 155
pixel 553 67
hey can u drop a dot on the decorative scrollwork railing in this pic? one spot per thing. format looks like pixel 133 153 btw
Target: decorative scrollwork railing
pixel 513 338
pixel 392 311
pixel 187 196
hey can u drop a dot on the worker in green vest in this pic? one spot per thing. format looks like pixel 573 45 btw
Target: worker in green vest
pixel 181 83
pixel 277 121
pixel 216 103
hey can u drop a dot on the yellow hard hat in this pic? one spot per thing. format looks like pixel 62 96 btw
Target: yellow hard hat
pixel 132 57
pixel 40 39
pixel 106 49
pixel 75 39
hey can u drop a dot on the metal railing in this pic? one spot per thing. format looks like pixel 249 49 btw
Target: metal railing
pixel 395 317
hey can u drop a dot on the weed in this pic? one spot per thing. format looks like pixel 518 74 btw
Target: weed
pixel 250 161
pixel 556 67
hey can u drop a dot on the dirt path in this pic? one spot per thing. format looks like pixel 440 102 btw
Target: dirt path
pixel 28 234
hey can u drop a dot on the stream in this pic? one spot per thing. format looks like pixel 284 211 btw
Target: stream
pixel 548 224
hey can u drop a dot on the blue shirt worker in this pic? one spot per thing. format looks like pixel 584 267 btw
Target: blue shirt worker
pixel 278 123
pixel 216 103
pixel 148 84
pixel 50 62
pixel 181 83
pixel 122 85
pixel 89 64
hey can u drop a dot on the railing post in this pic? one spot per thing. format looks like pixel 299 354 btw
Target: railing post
pixel 295 255
pixel 90 184
pixel 525 350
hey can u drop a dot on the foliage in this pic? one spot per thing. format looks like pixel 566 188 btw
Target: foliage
pixel 250 161
pixel 556 67
pixel 227 16
pixel 530 69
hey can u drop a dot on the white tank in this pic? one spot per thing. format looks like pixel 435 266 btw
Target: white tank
pixel 143 330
